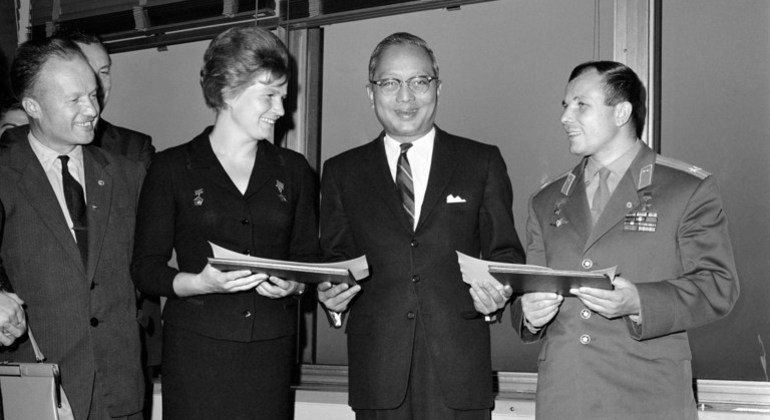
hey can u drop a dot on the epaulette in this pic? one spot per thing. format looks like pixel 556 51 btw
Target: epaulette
pixel 550 181
pixel 682 166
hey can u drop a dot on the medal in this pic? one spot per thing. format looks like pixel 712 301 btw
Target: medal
pixel 644 219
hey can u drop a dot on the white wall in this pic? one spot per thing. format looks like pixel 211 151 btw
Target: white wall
pixel 157 92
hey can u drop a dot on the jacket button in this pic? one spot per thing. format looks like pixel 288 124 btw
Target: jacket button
pixel 246 314
pixel 247 251
pixel 93 284
pixel 585 313
pixel 94 322
pixel 415 278
pixel 414 243
pixel 245 221
pixel 410 315
pixel 587 263
pixel 585 339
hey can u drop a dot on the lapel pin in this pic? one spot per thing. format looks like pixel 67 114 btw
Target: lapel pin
pixel 198 200
pixel 100 182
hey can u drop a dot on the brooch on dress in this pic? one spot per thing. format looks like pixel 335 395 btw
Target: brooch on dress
pixel 198 199
pixel 279 186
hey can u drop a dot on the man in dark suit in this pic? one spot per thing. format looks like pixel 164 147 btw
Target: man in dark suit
pixel 138 147
pixel 623 353
pixel 418 348
pixel 67 225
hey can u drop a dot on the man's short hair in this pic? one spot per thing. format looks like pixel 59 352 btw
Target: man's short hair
pixel 621 84
pixel 400 38
pixel 234 60
pixel 30 58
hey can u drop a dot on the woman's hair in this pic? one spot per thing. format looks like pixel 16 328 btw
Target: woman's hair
pixel 236 58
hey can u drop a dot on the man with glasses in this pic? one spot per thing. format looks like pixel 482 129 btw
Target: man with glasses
pixel 418 347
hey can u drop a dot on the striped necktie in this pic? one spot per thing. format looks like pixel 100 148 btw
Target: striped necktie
pixel 404 183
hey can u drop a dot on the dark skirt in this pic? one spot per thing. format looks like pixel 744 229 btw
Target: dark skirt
pixel 205 378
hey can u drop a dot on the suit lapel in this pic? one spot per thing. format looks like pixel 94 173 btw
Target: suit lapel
pixel 34 184
pixel 99 184
pixel 626 194
pixel 380 180
pixel 575 208
pixel 442 166
pixel 266 170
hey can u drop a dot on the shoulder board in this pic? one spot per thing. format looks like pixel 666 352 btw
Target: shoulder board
pixel 550 181
pixel 682 166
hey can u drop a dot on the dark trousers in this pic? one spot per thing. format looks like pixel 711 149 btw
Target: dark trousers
pixel 205 378
pixel 424 399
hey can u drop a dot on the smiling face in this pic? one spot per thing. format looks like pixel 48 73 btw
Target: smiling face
pixel 404 115
pixel 254 111
pixel 63 105
pixel 593 128
pixel 100 62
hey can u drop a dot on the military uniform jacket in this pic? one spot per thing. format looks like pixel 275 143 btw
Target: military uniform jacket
pixel 83 317
pixel 188 200
pixel 415 276
pixel 594 368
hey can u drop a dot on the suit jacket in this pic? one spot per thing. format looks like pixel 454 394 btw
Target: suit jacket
pixel 188 200
pixel 132 144
pixel 591 367
pixel 84 317
pixel 415 276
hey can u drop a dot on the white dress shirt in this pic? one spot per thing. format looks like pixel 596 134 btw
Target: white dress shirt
pixel 419 156
pixel 51 163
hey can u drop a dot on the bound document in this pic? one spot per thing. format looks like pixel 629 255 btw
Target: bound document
pixel 348 271
pixel 525 278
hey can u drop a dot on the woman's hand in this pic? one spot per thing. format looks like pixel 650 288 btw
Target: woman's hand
pixel 277 287
pixel 211 280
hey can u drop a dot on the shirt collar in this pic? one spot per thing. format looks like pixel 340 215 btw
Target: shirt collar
pixel 48 156
pixel 617 167
pixel 420 145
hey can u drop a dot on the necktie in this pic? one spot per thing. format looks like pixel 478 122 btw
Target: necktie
pixel 404 182
pixel 602 195
pixel 76 205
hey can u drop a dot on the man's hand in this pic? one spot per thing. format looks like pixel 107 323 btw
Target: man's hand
pixel 336 298
pixel 489 297
pixel 540 308
pixel 13 322
pixel 622 301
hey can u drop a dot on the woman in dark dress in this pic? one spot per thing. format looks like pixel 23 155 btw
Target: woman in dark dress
pixel 229 337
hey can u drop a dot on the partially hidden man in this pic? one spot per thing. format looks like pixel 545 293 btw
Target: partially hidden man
pixel 623 353
pixel 68 226
pixel 418 347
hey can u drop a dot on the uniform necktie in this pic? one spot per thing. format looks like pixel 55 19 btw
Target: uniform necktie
pixel 76 205
pixel 602 195
pixel 404 182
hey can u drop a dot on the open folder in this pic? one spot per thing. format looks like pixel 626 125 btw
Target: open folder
pixel 524 278
pixel 348 271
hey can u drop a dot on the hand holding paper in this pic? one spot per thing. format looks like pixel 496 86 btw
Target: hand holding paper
pixel 344 271
pixel 622 301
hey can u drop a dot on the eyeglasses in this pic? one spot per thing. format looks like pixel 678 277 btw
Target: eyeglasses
pixel 417 84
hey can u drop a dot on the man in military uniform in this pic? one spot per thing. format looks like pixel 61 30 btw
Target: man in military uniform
pixel 624 352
